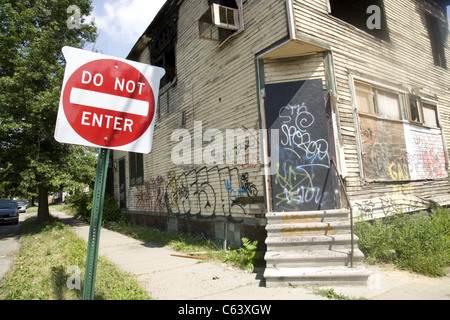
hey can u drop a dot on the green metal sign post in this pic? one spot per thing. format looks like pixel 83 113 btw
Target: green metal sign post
pixel 88 83
pixel 96 224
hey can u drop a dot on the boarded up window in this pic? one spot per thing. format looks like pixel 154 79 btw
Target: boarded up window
pixel 383 150
pixel 426 155
pixel 364 97
pixel 430 115
pixel 398 150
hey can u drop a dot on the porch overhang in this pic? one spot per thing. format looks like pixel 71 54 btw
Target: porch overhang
pixel 293 48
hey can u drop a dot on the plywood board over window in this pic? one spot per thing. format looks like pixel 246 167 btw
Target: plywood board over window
pixel 396 145
pixel 426 155
pixel 383 150
pixel 430 118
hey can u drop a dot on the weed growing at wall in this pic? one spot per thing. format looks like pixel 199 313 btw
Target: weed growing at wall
pixel 418 243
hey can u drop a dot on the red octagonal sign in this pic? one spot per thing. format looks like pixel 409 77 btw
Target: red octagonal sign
pixel 107 102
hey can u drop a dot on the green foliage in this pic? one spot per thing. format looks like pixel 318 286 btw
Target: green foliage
pixel 418 243
pixel 42 268
pixel 82 204
pixel 111 210
pixel 332 295
pixel 246 256
pixel 32 34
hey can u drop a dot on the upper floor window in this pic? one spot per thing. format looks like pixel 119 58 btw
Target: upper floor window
pixel 430 117
pixel 386 104
pixel 367 15
pixel 378 102
pixel 163 45
pixel 221 21
pixel 415 107
pixel 437 40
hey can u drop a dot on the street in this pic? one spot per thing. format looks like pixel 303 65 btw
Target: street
pixel 9 244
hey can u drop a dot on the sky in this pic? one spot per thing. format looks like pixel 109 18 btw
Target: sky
pixel 120 23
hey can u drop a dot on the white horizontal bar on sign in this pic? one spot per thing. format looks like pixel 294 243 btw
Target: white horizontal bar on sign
pixel 109 102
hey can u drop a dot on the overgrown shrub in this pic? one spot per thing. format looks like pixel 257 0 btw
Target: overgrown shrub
pixel 82 203
pixel 418 243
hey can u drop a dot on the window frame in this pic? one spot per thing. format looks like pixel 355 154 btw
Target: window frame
pixel 136 168
pixel 434 106
pixel 221 32
pixel 163 48
pixel 375 89
pixel 419 109
pixel 380 35
pixel 437 40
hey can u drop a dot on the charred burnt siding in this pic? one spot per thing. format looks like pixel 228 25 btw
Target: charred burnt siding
pixel 214 88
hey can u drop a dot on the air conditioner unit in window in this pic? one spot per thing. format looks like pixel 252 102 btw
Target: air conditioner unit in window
pixel 224 17
pixel 219 23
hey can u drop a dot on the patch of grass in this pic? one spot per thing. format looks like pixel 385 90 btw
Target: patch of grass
pixel 332 295
pixel 417 243
pixel 42 268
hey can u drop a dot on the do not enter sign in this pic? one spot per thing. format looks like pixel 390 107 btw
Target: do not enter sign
pixel 107 102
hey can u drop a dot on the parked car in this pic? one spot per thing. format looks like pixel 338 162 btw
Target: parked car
pixel 9 211
pixel 22 206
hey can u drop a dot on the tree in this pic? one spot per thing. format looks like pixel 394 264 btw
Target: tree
pixel 32 34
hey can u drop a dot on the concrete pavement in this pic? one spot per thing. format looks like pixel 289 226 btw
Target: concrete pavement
pixel 167 277
pixel 9 244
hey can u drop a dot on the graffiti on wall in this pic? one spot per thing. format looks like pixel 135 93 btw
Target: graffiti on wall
pixel 402 198
pixel 311 226
pixel 393 151
pixel 208 192
pixel 383 150
pixel 304 179
pixel 203 193
pixel 426 154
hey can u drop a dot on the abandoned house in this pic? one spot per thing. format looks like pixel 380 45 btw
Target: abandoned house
pixel 279 120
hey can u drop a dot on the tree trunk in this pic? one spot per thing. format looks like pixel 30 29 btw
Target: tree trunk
pixel 43 212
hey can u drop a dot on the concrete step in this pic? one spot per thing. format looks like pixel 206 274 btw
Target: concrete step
pixel 313 258
pixel 284 277
pixel 325 242
pixel 308 216
pixel 308 229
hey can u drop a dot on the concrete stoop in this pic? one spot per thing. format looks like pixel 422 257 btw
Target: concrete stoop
pixel 312 248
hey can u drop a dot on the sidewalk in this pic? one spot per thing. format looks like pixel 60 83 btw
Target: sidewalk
pixel 166 277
